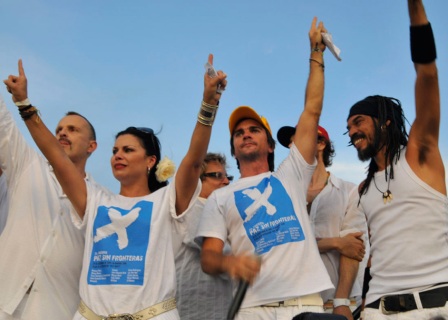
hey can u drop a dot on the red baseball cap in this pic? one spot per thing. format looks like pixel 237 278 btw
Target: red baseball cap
pixel 284 135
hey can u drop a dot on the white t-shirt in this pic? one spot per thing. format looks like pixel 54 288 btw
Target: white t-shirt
pixel 128 262
pixel 408 235
pixel 39 245
pixel 334 213
pixel 266 215
pixel 3 202
pixel 199 295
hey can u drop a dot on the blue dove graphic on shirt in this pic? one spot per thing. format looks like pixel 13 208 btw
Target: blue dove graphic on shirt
pixel 120 242
pixel 268 215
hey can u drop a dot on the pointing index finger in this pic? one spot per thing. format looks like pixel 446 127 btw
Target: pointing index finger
pixel 210 59
pixel 21 70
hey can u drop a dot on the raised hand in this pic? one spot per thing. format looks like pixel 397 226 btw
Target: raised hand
pixel 17 85
pixel 211 84
pixel 315 35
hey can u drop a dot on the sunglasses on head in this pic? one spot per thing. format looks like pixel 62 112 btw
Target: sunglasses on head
pixel 150 132
pixel 145 130
pixel 217 175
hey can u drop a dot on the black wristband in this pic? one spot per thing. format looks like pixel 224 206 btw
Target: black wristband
pixel 25 108
pixel 423 46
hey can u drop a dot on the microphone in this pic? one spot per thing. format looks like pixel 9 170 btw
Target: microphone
pixel 237 299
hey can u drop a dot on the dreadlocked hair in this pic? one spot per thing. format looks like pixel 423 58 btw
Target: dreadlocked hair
pixel 392 136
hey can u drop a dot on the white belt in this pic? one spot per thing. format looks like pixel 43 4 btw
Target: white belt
pixel 308 300
pixel 144 314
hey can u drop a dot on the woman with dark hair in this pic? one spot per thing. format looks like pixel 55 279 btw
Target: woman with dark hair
pixel 128 264
pixel 151 145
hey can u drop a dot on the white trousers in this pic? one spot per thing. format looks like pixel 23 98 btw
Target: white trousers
pixel 418 314
pixel 274 313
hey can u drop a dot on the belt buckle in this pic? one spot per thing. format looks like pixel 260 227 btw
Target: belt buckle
pixel 121 316
pixel 383 307
pixel 273 304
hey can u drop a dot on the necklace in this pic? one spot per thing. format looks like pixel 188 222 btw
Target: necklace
pixel 387 196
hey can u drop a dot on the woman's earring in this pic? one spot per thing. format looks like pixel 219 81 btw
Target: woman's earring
pixel 149 170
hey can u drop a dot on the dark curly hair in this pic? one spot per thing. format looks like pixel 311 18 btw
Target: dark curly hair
pixel 328 153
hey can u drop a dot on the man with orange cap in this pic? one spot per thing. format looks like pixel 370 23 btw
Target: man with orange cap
pixel 263 214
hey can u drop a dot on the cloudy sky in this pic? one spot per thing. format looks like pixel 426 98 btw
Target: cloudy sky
pixel 141 63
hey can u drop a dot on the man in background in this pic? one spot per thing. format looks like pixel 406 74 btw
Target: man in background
pixel 201 296
pixel 340 228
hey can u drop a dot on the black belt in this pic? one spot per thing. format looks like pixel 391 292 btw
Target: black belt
pixel 406 302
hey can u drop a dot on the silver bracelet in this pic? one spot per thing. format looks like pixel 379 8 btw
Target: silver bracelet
pixel 207 114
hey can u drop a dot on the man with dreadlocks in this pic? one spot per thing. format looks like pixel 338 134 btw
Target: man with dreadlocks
pixel 404 195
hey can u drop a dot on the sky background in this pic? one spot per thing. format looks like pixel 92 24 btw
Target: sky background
pixel 141 63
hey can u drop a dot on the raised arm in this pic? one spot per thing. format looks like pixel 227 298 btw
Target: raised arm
pixel 70 178
pixel 187 175
pixel 306 132
pixel 423 152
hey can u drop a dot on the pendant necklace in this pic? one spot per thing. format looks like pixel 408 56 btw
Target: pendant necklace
pixel 387 196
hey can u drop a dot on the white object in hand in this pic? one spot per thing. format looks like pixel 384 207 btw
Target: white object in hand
pixel 326 37
pixel 211 72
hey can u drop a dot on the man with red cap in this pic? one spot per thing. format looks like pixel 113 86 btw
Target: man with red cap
pixel 263 214
pixel 338 226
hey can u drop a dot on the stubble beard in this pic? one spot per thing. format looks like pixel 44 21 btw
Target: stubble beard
pixel 371 150
pixel 249 157
pixel 367 154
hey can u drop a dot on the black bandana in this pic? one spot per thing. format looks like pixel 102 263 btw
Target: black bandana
pixel 371 105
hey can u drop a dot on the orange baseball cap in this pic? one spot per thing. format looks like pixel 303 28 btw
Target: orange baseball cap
pixel 245 112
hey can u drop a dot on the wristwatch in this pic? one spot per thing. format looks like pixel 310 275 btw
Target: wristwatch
pixel 341 302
